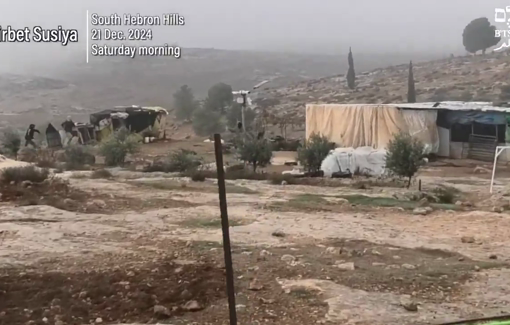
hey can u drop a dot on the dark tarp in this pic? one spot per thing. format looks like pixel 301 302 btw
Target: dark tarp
pixel 138 120
pixel 53 137
pixel 446 119
pixel 96 117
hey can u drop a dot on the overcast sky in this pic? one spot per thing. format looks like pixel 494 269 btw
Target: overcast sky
pixel 318 26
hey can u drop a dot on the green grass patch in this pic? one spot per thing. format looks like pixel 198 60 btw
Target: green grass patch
pixel 209 223
pixel 205 187
pixel 327 203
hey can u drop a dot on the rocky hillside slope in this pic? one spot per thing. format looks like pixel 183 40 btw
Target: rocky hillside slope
pixel 469 78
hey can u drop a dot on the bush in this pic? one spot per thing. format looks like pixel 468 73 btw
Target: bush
pixel 76 156
pixel 446 194
pixel 11 142
pixel 198 176
pixel 207 122
pixel 404 156
pixel 101 173
pixel 18 175
pixel 46 158
pixel 257 153
pixel 178 161
pixel 118 145
pixel 314 151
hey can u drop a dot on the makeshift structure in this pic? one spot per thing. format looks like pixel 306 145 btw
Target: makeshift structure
pixel 364 160
pixel 448 129
pixel 135 118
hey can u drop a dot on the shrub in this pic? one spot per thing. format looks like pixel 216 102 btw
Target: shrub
pixel 76 156
pixel 198 176
pixel 11 142
pixel 257 153
pixel 446 194
pixel 314 151
pixel 17 175
pixel 46 158
pixel 178 161
pixel 101 173
pixel 207 121
pixel 116 147
pixel 404 156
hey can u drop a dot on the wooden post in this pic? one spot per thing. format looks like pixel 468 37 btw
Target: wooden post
pixel 419 185
pixel 225 229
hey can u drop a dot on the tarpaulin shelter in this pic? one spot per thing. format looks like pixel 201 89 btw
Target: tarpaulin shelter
pixel 448 129
pixel 136 118
pixel 370 125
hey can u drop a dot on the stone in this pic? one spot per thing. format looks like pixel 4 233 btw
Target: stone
pixel 493 257
pixel 346 266
pixel 420 211
pixel 192 305
pixel 255 285
pixel 408 266
pixel 278 233
pixel 408 304
pixel 467 239
pixel 99 320
pixel 161 311
pixel 288 258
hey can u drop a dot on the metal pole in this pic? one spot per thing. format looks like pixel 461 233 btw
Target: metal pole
pixel 242 112
pixel 225 229
pixel 496 154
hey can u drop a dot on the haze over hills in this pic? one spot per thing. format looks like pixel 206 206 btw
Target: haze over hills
pixel 108 82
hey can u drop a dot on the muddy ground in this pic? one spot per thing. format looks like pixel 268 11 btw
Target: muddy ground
pixel 148 250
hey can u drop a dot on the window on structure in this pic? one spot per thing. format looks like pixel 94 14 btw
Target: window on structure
pixel 490 130
pixel 460 132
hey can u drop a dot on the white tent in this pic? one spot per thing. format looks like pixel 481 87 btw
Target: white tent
pixel 365 160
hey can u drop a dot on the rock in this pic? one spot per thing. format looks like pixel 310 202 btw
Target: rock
pixel 497 209
pixel 83 295
pixel 423 202
pixel 278 233
pixel 374 252
pixel 481 170
pixel 26 184
pixel 378 264
pixel 267 301
pixel 408 266
pixel 255 285
pixel 192 305
pixel 288 258
pixel 284 183
pixel 185 294
pixel 458 203
pixel 477 268
pixel 346 266
pixel 420 211
pixel 467 239
pixel 493 257
pixel 429 209
pixel 161 311
pixel 98 203
pixel 408 304
pixel 99 320
pixel 332 250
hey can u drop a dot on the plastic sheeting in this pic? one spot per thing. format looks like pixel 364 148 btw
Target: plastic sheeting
pixel 447 118
pixel 371 125
pixel 366 160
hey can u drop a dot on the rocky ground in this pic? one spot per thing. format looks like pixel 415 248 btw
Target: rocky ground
pixel 146 248
pixel 468 78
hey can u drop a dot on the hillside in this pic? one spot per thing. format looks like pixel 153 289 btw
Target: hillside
pixel 469 78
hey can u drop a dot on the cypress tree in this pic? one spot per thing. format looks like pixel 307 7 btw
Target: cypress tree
pixel 411 91
pixel 351 76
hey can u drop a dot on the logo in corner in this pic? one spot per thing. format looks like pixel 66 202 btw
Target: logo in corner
pixel 502 16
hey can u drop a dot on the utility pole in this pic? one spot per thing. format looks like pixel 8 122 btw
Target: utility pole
pixel 244 94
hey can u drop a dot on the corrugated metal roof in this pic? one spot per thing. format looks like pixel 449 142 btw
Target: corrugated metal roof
pixel 455 106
